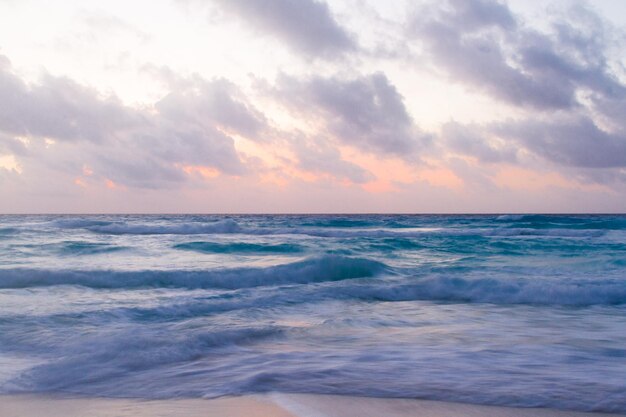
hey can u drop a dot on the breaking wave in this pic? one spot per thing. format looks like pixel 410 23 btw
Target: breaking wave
pixel 87 248
pixel 78 223
pixel 453 289
pixel 501 291
pixel 323 268
pixel 232 227
pixel 110 355
pixel 238 247
pixel 565 233
pixel 224 226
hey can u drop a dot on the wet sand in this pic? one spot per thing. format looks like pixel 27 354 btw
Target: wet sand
pixel 270 405
pixel 305 405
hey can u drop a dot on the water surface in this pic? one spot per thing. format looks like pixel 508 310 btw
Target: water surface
pixel 524 310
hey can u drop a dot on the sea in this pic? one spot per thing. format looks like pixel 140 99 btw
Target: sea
pixel 515 310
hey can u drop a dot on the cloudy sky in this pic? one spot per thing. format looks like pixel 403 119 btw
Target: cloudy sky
pixel 312 106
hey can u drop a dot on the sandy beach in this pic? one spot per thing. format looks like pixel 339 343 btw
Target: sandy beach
pixel 269 405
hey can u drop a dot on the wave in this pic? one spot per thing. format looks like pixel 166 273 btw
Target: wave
pixel 396 243
pixel 438 289
pixel 445 232
pixel 341 222
pixel 112 354
pixel 68 248
pixel 431 289
pixel 8 231
pixel 88 248
pixel 362 233
pixel 78 223
pixel 581 221
pixel 232 227
pixel 510 217
pixel 223 226
pixel 238 247
pixel 319 269
pixel 499 291
pixel 565 233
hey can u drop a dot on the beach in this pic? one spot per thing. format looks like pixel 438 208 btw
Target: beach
pixel 267 405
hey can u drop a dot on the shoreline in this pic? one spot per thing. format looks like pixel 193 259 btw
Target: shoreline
pixel 262 405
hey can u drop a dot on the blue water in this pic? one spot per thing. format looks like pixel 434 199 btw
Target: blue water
pixel 512 310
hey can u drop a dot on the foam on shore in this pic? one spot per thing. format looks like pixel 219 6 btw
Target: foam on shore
pixel 270 405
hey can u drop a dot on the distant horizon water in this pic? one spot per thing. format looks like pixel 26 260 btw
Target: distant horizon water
pixel 294 213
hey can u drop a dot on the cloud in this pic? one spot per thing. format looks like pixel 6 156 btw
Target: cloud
pixel 572 140
pixel 63 125
pixel 480 43
pixel 156 156
pixel 215 103
pixel 318 156
pixel 571 143
pixel 306 26
pixel 365 112
pixel 611 112
pixel 573 105
pixel 10 145
pixel 472 140
pixel 60 108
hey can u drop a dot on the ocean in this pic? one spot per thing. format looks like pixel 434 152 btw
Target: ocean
pixel 516 310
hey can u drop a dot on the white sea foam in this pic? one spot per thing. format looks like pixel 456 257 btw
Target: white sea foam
pixel 510 217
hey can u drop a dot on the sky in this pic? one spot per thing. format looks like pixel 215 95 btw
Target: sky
pixel 309 106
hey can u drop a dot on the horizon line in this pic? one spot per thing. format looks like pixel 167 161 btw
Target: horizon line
pixel 312 213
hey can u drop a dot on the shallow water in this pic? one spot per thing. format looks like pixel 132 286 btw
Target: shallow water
pixel 512 310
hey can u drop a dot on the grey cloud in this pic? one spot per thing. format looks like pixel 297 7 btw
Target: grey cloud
pixel 307 26
pixel 145 172
pixel 477 176
pixel 477 14
pixel 10 145
pixel 366 112
pixel 472 140
pixel 600 176
pixel 154 157
pixel 141 148
pixel 59 108
pixel 612 111
pixel 574 141
pixel 190 145
pixel 319 157
pixel 218 102
pixel 574 55
pixel 482 44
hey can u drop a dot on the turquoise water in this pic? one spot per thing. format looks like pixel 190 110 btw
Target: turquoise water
pixel 525 310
